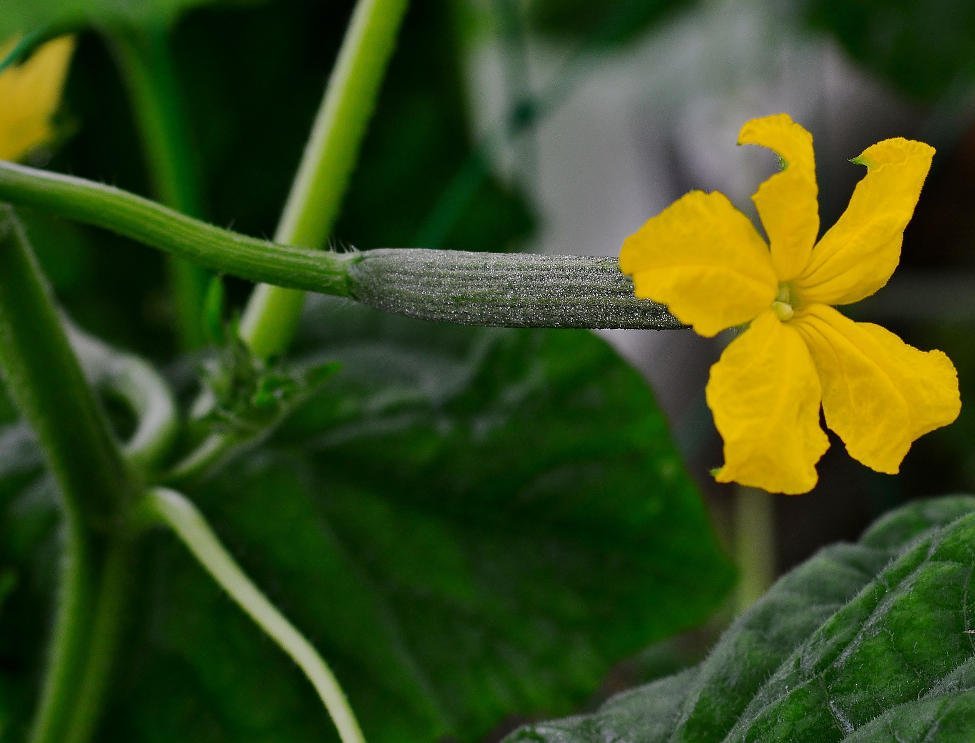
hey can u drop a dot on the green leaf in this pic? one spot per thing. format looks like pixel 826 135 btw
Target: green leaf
pixel 468 524
pixel 864 642
pixel 251 394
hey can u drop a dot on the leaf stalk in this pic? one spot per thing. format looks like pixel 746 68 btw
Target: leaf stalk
pixel 146 63
pixel 171 509
pixel 271 316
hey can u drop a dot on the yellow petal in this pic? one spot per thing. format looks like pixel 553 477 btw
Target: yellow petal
pixel 786 202
pixel 29 96
pixel 764 394
pixel 879 393
pixel 703 259
pixel 860 252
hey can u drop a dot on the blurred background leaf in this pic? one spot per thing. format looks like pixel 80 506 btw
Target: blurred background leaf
pixel 926 50
pixel 616 23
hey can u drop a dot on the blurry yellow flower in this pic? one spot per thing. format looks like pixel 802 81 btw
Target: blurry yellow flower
pixel 29 95
pixel 705 260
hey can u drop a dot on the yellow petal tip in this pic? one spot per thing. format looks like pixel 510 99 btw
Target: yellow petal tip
pixel 896 150
pixel 754 130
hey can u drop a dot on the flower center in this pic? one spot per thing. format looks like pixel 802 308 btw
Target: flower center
pixel 782 306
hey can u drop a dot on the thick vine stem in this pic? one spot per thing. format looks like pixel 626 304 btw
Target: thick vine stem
pixel 48 385
pixel 500 289
pixel 96 488
pixel 175 511
pixel 108 609
pixel 156 225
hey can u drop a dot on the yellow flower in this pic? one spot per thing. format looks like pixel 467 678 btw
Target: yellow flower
pixel 29 95
pixel 705 260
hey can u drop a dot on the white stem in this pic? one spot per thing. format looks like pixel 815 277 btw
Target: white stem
pixel 179 514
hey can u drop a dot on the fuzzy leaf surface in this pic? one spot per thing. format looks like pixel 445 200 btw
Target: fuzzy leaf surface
pixel 870 641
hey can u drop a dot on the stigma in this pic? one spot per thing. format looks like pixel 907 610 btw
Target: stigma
pixel 782 306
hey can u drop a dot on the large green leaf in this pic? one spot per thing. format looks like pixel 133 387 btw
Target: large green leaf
pixel 872 641
pixel 469 524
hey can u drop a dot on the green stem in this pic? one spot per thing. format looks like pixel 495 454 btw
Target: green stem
pixel 102 641
pixel 141 388
pixel 179 514
pixel 146 63
pixel 209 456
pixel 46 382
pixel 272 314
pixel 69 636
pixel 501 289
pixel 754 537
pixel 148 222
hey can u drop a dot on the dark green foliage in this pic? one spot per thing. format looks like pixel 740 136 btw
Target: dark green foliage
pixel 250 394
pixel 864 642
pixel 469 525
pixel 28 563
pixel 23 16
pixel 925 49
pixel 599 24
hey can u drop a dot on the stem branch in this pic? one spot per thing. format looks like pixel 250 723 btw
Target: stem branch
pixel 143 391
pixel 107 612
pixel 272 314
pixel 188 524
pixel 148 222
